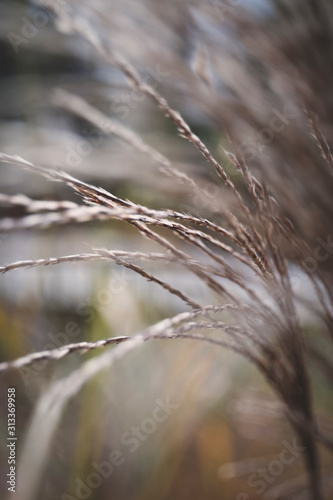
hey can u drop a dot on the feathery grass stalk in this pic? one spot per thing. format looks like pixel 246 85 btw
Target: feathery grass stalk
pixel 261 243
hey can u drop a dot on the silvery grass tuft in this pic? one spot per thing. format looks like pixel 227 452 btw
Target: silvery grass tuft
pixel 267 92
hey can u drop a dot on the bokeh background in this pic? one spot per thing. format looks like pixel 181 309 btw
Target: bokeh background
pixel 203 57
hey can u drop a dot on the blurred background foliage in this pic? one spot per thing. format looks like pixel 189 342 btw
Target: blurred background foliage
pixel 228 424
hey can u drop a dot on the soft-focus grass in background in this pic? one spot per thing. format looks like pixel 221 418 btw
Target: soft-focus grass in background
pixel 228 69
